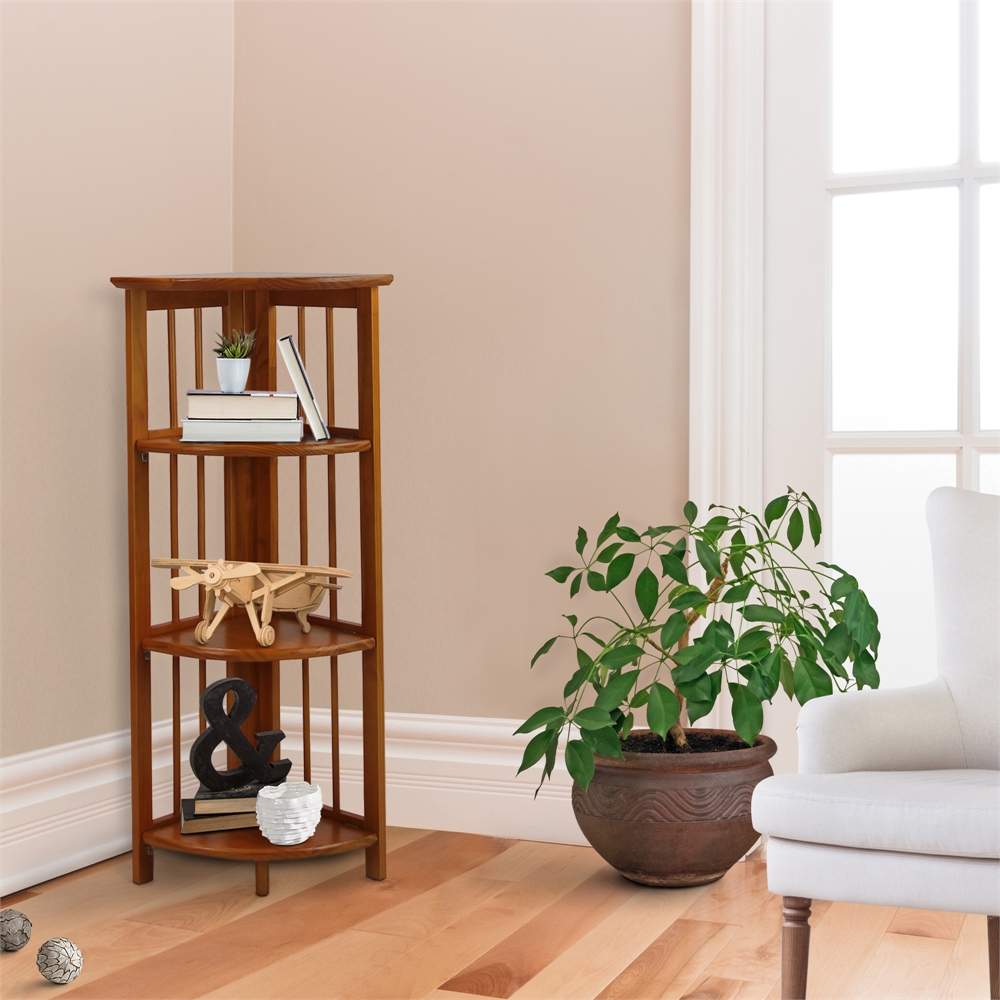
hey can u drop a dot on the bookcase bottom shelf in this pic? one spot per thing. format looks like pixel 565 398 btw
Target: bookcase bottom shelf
pixel 331 837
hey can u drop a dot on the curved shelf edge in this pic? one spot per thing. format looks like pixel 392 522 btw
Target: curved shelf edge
pixel 173 445
pixel 331 837
pixel 234 640
pixel 251 281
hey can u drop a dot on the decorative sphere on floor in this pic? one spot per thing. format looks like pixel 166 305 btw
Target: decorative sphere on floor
pixel 15 929
pixel 59 960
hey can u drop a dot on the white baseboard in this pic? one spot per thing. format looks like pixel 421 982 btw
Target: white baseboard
pixel 444 772
pixel 68 806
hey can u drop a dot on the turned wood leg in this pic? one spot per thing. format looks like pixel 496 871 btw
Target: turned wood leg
pixel 263 879
pixel 794 947
pixel 993 937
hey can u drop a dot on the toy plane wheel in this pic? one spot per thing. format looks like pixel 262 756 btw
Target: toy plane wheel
pixel 199 632
pixel 266 635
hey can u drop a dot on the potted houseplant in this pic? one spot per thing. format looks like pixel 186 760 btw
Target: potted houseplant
pixel 692 609
pixel 233 362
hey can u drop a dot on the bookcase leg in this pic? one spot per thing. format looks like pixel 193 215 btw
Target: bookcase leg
pixel 142 864
pixel 263 878
pixel 375 860
pixel 373 741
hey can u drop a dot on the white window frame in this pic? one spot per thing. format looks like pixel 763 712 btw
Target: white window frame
pixel 968 440
pixel 735 404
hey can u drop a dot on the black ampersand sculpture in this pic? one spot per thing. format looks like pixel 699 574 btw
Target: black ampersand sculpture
pixel 225 726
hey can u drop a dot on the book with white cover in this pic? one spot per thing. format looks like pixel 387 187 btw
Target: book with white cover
pixel 218 431
pixel 213 404
pixel 297 370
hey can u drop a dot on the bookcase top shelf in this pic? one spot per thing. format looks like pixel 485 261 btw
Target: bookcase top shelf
pixel 251 281
pixel 173 445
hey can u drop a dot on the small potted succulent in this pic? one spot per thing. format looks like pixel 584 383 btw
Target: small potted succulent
pixel 233 361
pixel 693 609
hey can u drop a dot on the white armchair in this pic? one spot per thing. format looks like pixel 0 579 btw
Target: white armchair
pixel 897 799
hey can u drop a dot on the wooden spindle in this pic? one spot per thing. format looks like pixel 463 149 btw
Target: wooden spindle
pixel 199 366
pixel 176 684
pixel 172 379
pixel 175 597
pixel 334 734
pixel 306 725
pixel 172 364
pixel 199 383
pixel 303 480
pixel 202 684
pixel 331 466
pixel 304 559
pixel 331 513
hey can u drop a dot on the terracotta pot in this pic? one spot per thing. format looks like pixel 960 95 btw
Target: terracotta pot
pixel 673 819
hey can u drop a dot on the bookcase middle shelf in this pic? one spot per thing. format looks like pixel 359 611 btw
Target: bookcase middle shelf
pixel 234 640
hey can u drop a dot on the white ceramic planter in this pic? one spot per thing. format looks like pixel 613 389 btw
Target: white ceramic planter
pixel 289 814
pixel 233 373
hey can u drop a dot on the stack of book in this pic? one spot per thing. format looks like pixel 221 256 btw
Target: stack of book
pixel 210 811
pixel 216 416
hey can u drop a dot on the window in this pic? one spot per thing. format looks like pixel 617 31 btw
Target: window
pixel 913 308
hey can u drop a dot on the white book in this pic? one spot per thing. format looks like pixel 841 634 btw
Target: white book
pixel 217 431
pixel 213 404
pixel 297 370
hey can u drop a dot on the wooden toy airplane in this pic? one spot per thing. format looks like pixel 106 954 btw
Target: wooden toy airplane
pixel 261 588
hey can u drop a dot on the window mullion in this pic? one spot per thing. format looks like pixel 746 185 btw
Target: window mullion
pixel 968 68
pixel 968 387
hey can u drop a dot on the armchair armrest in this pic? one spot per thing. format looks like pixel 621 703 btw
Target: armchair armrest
pixel 901 729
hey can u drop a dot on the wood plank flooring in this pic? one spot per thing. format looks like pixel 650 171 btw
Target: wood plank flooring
pixel 462 916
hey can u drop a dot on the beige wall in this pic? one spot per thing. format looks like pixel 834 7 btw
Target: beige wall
pixel 117 158
pixel 522 169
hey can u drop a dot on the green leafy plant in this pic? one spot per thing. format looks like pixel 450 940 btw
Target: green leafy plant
pixel 237 345
pixel 765 619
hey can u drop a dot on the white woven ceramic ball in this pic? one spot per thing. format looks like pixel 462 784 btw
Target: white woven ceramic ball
pixel 15 929
pixel 59 960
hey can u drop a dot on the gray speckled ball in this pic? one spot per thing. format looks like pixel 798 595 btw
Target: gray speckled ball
pixel 15 929
pixel 59 960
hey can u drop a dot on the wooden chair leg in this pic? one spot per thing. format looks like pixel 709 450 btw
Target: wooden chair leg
pixel 263 878
pixel 795 947
pixel 993 936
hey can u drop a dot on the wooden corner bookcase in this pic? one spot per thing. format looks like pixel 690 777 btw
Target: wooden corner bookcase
pixel 250 491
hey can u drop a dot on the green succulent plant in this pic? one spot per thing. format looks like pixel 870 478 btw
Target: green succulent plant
pixel 237 345
pixel 765 618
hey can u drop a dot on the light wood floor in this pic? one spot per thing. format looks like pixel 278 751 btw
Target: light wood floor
pixel 465 916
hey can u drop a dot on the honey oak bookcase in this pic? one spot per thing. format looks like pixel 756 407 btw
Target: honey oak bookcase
pixel 250 476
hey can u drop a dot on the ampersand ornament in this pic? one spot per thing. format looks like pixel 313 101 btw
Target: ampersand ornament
pixel 224 726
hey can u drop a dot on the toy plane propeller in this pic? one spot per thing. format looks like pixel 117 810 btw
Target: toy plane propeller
pixel 261 588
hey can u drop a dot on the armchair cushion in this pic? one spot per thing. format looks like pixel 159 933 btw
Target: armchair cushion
pixel 955 813
pixel 902 729
pixel 883 878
